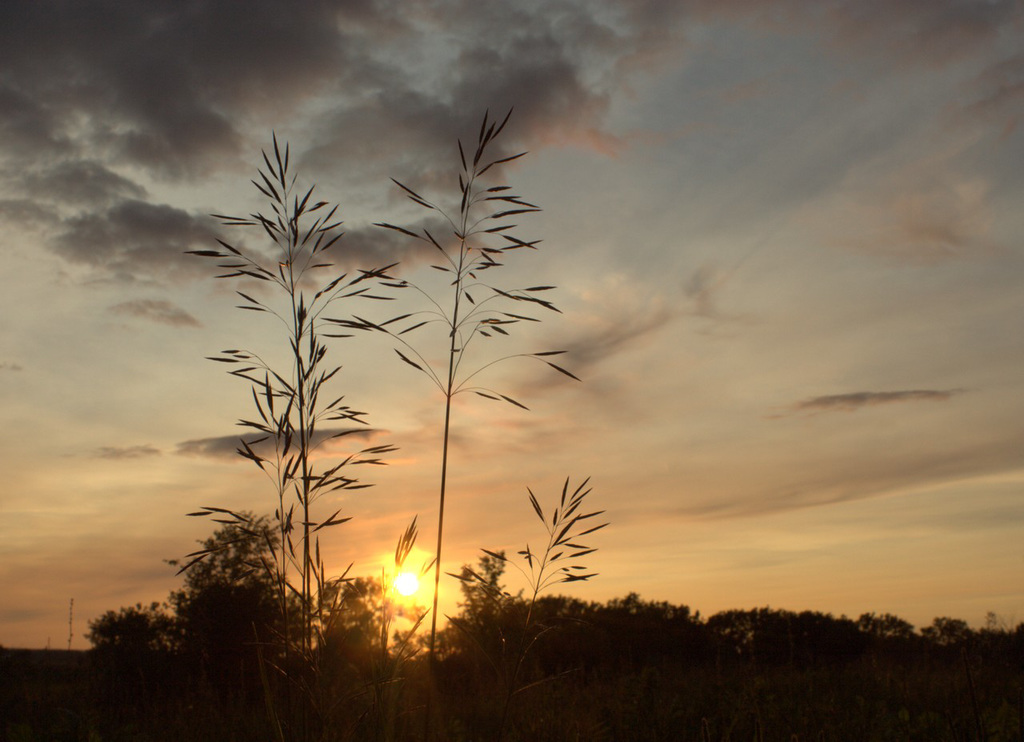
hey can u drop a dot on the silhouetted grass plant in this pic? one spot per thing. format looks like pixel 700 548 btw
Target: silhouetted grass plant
pixel 293 404
pixel 558 562
pixel 482 237
pixel 481 240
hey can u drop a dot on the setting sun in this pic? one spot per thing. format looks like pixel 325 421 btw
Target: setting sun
pixel 406 584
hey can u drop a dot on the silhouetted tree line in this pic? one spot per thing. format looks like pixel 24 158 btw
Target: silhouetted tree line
pixel 209 636
pixel 628 634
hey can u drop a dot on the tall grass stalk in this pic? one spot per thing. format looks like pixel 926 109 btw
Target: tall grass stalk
pixel 481 240
pixel 291 402
pixel 71 622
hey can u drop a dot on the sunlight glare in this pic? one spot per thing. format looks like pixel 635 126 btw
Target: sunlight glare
pixel 406 584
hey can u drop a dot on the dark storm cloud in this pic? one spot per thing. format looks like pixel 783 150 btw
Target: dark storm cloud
pixel 175 87
pixel 168 86
pixel 557 71
pixel 23 211
pixel 856 400
pixel 80 182
pixel 557 104
pixel 126 452
pixel 155 310
pixel 374 247
pixel 93 88
pixel 135 237
pixel 28 127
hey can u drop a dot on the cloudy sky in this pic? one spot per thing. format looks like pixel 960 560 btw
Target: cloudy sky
pixel 787 239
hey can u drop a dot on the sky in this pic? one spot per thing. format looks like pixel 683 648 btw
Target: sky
pixel 787 241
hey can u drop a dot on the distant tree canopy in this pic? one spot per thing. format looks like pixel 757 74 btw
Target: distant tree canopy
pixel 209 630
pixel 483 597
pixel 134 649
pixel 885 627
pixel 135 630
pixel 353 635
pixel 484 611
pixel 211 625
pixel 235 557
pixel 228 606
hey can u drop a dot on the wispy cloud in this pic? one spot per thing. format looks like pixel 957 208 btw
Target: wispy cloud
pixel 808 481
pixel 221 447
pixel 156 310
pixel 997 94
pixel 623 319
pixel 856 400
pixel 126 452
pixel 924 33
pixel 925 222
pixel 706 284
pixel 226 446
